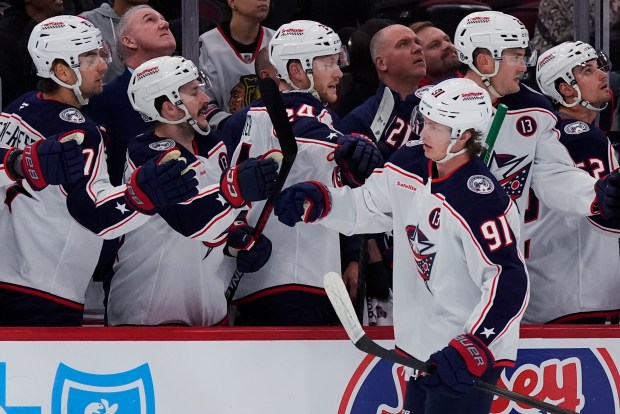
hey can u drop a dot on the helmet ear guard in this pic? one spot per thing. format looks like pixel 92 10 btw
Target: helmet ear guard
pixel 164 76
pixel 304 40
pixel 457 103
pixel 557 64
pixel 65 38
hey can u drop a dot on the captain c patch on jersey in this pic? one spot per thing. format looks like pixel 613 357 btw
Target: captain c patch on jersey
pixel 480 184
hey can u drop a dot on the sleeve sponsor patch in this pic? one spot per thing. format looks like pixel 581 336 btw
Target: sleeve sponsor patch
pixel 576 128
pixel 163 145
pixel 72 115
pixel 480 184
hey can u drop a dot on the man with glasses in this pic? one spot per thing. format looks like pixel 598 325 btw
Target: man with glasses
pixel 527 154
pixel 54 233
pixel 572 259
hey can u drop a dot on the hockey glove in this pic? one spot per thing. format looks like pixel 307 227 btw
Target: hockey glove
pixel 251 253
pixel 307 201
pixel 161 182
pixel 608 195
pixel 357 156
pixel 252 180
pixel 56 160
pixel 459 364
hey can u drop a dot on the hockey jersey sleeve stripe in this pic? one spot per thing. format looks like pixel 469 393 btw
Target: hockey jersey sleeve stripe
pixel 95 174
pixel 120 192
pixel 407 174
pixel 315 142
pixel 509 281
pixel 213 150
pixel 118 225
pixel 216 219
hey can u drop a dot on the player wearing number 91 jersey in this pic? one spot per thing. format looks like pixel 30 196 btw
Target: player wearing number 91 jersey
pixel 457 267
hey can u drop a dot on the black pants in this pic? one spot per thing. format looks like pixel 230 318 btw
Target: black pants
pixel 291 308
pixel 427 401
pixel 22 309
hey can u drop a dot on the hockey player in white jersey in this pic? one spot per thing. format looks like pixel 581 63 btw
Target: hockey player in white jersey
pixel 527 153
pixel 173 270
pixel 54 235
pixel 288 290
pixel 460 284
pixel 573 261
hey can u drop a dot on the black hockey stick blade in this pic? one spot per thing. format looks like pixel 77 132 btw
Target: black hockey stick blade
pixel 339 298
pixel 284 132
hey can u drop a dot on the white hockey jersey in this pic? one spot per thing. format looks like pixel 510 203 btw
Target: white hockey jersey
pixel 55 235
pixel 457 266
pixel 527 154
pixel 232 73
pixel 574 262
pixel 302 255
pixel 172 270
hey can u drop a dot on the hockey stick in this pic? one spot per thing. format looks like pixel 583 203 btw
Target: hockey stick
pixel 284 132
pixel 496 125
pixel 377 127
pixel 338 296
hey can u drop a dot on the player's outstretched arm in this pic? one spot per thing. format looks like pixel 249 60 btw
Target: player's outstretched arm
pixel 357 156
pixel 57 160
pixel 307 201
pixel 252 180
pixel 161 182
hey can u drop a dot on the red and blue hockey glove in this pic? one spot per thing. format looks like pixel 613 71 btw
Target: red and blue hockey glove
pixel 161 182
pixel 56 160
pixel 608 195
pixel 252 180
pixel 459 364
pixel 357 156
pixel 251 253
pixel 308 201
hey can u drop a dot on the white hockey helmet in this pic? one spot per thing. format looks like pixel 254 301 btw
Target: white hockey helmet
pixel 164 76
pixel 558 63
pixel 457 103
pixel 303 40
pixel 64 38
pixel 494 31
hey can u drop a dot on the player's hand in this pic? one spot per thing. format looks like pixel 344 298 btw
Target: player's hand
pixel 308 201
pixel 251 253
pixel 357 156
pixel 458 365
pixel 252 180
pixel 160 182
pixel 608 195
pixel 56 160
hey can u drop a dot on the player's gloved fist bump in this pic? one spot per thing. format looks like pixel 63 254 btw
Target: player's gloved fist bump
pixel 357 156
pixel 251 253
pixel 56 160
pixel 608 195
pixel 160 182
pixel 308 201
pixel 252 180
pixel 458 365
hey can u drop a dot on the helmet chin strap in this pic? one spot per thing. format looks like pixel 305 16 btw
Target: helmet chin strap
pixel 310 90
pixel 187 118
pixel 486 79
pixel 582 102
pixel 75 87
pixel 450 155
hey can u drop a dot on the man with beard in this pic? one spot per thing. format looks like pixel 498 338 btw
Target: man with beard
pixel 442 62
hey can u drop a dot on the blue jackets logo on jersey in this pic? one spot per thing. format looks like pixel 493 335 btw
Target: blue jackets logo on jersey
pixel 576 128
pixel 421 248
pixel 480 184
pixel 129 392
pixel 72 115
